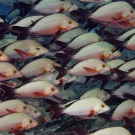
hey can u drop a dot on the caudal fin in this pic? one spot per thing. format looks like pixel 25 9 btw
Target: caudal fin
pixel 109 34
pixel 79 131
pixel 26 8
pixel 57 111
pixel 121 74
pixel 61 44
pixel 4 27
pixel 62 72
pixel 128 122
pixel 6 93
pixel 22 32
pixel 66 58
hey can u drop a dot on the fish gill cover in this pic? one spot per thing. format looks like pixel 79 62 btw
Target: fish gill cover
pixel 67 67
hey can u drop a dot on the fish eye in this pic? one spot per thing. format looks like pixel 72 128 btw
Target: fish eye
pixel 0 54
pixel 14 71
pixel 131 10
pixel 71 3
pixel 69 21
pixel 105 94
pixel 52 89
pixel 35 111
pixel 30 121
pixel 103 65
pixel 102 106
pixel 38 47
pixel 24 107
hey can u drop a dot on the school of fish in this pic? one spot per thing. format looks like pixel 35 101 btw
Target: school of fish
pixel 49 45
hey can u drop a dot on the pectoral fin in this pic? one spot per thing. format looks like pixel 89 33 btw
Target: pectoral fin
pixel 22 53
pixel 9 111
pixel 89 70
pixel 39 93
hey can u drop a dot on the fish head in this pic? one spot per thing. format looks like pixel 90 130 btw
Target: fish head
pixel 23 108
pixel 102 68
pixel 104 95
pixel 70 6
pixel 37 50
pixel 51 90
pixel 29 122
pixel 35 113
pixel 114 55
pixel 100 108
pixel 3 57
pixel 68 24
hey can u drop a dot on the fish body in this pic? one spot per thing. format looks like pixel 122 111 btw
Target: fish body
pixel 96 67
pixel 69 35
pixel 13 106
pixel 36 89
pixel 87 107
pixel 125 109
pixel 54 6
pixel 17 50
pixel 97 93
pixel 114 13
pixel 44 66
pixel 19 121
pixel 115 63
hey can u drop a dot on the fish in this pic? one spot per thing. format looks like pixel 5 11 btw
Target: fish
pixel 121 37
pixel 49 6
pixel 97 93
pixel 52 27
pixel 98 50
pixel 19 121
pixel 115 63
pixel 52 78
pixel 79 41
pixel 25 22
pixel 3 57
pixel 114 14
pixel 125 109
pixel 70 35
pixel 45 65
pixel 30 101
pixel 103 131
pixel 88 67
pixel 87 107
pixel 8 71
pixel 34 113
pixel 13 106
pixel 37 89
pixel 17 50
pixel 63 96
pixel 128 44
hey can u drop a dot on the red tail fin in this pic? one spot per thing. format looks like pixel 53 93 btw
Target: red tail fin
pixel 57 111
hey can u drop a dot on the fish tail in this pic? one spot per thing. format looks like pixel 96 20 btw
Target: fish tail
pixel 6 93
pixel 81 15
pixel 4 27
pixel 117 43
pixel 121 74
pixel 62 72
pixel 79 131
pixel 128 122
pixel 66 58
pixel 22 32
pixel 61 44
pixel 109 35
pixel 24 7
pixel 57 111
